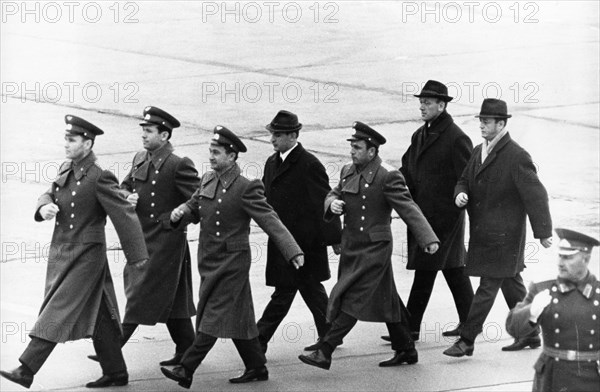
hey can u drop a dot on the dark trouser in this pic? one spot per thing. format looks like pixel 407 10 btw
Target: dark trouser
pixel 513 290
pixel 249 350
pixel 314 296
pixel 181 331
pixel 107 343
pixel 343 324
pixel 422 287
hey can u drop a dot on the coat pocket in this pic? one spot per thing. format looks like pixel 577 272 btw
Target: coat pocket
pixel 237 246
pixel 380 234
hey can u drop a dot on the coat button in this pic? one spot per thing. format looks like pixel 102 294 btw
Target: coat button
pixel 151 215
pixel 219 200
pixel 218 223
pixel 56 189
pixel 151 204
pixel 557 330
pixel 56 223
pixel 591 346
pixel 70 226
pixel 153 182
pixel 73 193
pixel 364 208
pixel 596 303
pixel 78 183
pixel 152 194
pixel 362 218
pixel 366 185
pixel 555 301
pixel 554 289
pixel 72 204
pixel 555 315
pixel 156 172
pixel 224 190
pixel 592 332
pixel 364 197
pixel 218 234
pixel 72 216
pixel 593 317
pixel 361 229
pixel 218 212
pixel 557 345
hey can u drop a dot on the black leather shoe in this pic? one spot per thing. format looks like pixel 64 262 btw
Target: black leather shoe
pixel 520 344
pixel 94 358
pixel 316 358
pixel 176 360
pixel 460 348
pixel 110 380
pixel 179 374
pixel 408 356
pixel 315 346
pixel 258 374
pixel 453 332
pixel 21 375
pixel 387 338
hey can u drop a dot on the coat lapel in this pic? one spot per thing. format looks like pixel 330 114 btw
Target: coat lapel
pixel 438 126
pixel 492 156
pixel 289 161
pixel 208 188
pixel 63 173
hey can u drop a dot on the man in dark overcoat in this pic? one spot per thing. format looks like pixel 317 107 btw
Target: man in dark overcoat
pixel 500 189
pixel 158 182
pixel 296 184
pixel 224 205
pixel 432 164
pixel 79 298
pixel 366 194
pixel 568 311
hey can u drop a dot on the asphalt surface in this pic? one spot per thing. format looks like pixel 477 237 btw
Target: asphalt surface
pixel 237 64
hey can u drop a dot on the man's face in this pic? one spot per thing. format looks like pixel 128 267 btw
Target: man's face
pixel 573 268
pixel 430 108
pixel 152 138
pixel 219 159
pixel 490 128
pixel 360 154
pixel 76 146
pixel 283 141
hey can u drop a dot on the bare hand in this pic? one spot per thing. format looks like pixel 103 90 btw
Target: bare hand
pixel 337 206
pixel 176 214
pixel 337 248
pixel 49 211
pixel 539 303
pixel 140 264
pixel 298 261
pixel 546 242
pixel 461 200
pixel 432 248
pixel 133 199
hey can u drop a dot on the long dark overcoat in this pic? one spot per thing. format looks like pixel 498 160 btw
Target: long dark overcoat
pixel 432 165
pixel 502 192
pixel 296 191
pixel 78 274
pixel 224 206
pixel 571 322
pixel 163 289
pixel 365 288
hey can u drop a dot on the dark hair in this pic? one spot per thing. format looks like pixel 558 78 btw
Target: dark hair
pixel 162 128
pixel 229 150
pixel 369 145
pixel 497 119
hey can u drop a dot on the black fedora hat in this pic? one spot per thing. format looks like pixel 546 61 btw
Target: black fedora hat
pixel 492 107
pixel 284 121
pixel 435 89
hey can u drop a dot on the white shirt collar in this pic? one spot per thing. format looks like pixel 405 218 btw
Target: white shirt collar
pixel 285 154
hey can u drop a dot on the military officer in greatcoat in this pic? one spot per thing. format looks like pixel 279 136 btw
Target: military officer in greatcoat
pixel 158 182
pixel 366 194
pixel 79 300
pixel 224 204
pixel 568 311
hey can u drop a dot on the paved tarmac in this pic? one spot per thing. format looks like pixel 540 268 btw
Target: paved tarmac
pixel 237 64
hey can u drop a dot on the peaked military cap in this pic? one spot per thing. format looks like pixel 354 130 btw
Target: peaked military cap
pixel 156 116
pixel 284 121
pixel 492 107
pixel 79 126
pixel 572 242
pixel 435 89
pixel 365 132
pixel 225 137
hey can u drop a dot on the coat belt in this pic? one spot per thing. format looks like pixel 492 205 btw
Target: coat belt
pixel 572 355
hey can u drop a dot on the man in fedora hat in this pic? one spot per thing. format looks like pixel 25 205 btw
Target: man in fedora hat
pixel 224 204
pixel 159 181
pixel 568 311
pixel 432 164
pixel 500 189
pixel 296 184
pixel 79 300
pixel 366 194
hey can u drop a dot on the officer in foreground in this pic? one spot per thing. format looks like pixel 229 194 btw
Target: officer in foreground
pixel 568 311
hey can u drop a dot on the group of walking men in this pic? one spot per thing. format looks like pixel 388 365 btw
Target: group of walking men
pixel 441 177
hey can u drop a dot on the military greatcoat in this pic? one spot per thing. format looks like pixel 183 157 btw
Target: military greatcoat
pixel 224 206
pixel 571 327
pixel 163 289
pixel 365 288
pixel 78 274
